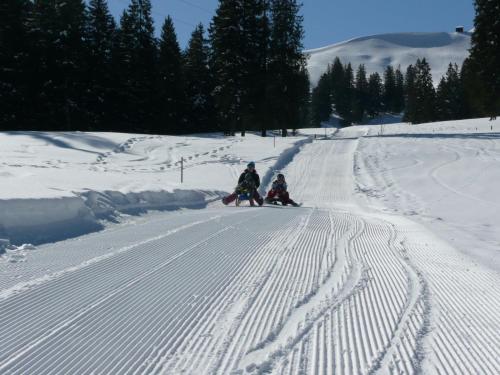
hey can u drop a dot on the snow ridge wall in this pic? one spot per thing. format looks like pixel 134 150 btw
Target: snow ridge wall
pixel 40 221
pixel 283 160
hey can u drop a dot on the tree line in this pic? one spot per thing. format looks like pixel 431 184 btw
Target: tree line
pixel 358 97
pixel 65 65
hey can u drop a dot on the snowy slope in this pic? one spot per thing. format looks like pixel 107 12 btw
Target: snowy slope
pixel 445 175
pixel 399 49
pixel 343 285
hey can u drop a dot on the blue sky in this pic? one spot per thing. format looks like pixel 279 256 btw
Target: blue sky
pixel 330 21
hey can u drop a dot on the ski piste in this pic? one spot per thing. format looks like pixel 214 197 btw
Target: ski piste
pixel 342 286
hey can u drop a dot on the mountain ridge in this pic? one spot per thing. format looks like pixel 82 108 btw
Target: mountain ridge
pixel 397 49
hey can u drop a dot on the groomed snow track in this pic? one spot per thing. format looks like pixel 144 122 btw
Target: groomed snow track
pixel 330 288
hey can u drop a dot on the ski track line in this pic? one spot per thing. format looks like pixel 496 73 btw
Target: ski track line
pixel 352 329
pixel 459 339
pixel 303 317
pixel 23 302
pixel 252 317
pixel 233 290
pixel 53 258
pixel 138 350
pixel 455 346
pixel 67 323
pixel 28 300
pixel 4 294
pixel 262 266
pixel 247 220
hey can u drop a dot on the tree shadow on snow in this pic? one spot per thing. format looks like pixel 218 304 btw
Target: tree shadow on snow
pixel 57 139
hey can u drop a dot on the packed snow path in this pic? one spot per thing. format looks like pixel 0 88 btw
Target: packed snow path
pixel 330 288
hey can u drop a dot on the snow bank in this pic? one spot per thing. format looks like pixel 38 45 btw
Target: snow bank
pixel 53 219
pixel 109 204
pixel 45 220
pixel 283 160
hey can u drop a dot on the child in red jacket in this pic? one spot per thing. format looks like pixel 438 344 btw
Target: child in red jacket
pixel 279 192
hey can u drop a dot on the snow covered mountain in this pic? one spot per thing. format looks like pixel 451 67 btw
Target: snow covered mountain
pixel 378 51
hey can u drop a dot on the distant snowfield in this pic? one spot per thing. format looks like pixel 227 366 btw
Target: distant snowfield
pixel 390 267
pixel 399 49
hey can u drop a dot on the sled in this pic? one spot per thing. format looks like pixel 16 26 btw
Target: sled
pixel 242 197
pixel 276 201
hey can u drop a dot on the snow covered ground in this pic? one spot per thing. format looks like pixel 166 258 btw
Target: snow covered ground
pixel 445 175
pixel 57 185
pixel 360 280
pixel 397 49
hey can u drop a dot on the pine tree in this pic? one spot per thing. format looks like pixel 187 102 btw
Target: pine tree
pixel 287 64
pixel 375 88
pixel 449 95
pixel 304 87
pixel 337 81
pixel 389 91
pixel 426 95
pixel 345 97
pixel 485 56
pixel 58 34
pixel 255 42
pixel 14 58
pixel 399 100
pixel 135 66
pixel 101 29
pixel 321 106
pixel 228 66
pixel 361 94
pixel 474 91
pixel 123 56
pixel 199 83
pixel 172 94
pixel 410 95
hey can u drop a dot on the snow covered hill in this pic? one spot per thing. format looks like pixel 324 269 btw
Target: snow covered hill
pixel 371 276
pixel 398 49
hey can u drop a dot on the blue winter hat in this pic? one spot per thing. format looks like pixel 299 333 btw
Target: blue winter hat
pixel 251 164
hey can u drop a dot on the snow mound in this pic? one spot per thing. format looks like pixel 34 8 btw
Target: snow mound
pixel 52 219
pixel 283 160
pixel 397 49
